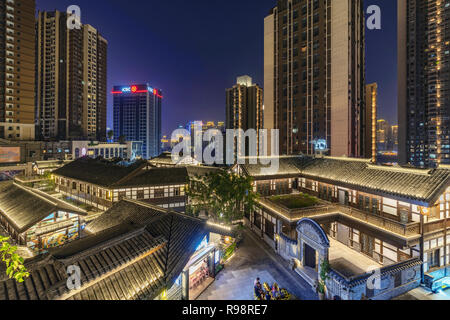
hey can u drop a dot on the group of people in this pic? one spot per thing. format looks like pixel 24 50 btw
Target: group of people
pixel 264 292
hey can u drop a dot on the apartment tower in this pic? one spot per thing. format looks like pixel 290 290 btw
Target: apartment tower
pixel 371 122
pixel 314 75
pixel 424 79
pixel 71 79
pixel 17 67
pixel 244 107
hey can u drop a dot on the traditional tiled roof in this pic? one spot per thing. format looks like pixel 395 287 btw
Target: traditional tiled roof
pixel 135 258
pixel 288 167
pixel 98 171
pixel 126 211
pixel 51 164
pixel 163 158
pixel 156 176
pixel 389 270
pixel 110 174
pixel 24 207
pixel 417 185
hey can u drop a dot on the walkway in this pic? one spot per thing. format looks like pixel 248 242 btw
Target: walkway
pixel 254 258
pixel 349 262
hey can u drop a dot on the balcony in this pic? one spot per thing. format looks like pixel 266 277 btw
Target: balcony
pixel 327 210
pixel 436 226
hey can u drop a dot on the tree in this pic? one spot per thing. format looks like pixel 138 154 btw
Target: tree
pixel 324 276
pixel 14 263
pixel 224 195
pixel 110 134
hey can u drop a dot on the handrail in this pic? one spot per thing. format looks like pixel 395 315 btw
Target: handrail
pixel 403 229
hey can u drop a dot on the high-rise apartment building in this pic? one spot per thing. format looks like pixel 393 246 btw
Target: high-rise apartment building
pixel 394 130
pixel 71 79
pixel 137 117
pixel 244 107
pixel 17 67
pixel 314 75
pixel 384 135
pixel 371 122
pixel 424 79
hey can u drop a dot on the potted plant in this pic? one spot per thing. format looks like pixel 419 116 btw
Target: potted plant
pixel 324 276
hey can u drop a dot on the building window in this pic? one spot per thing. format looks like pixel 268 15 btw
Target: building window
pixel 434 259
pixel 269 229
pixel 257 220
pixel 159 193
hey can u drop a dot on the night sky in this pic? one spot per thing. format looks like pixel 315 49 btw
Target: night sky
pixel 194 50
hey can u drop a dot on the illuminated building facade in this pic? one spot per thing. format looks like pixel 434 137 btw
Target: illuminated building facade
pixel 71 79
pixel 131 150
pixel 314 75
pixel 17 65
pixel 137 117
pixel 394 130
pixel 384 135
pixel 371 122
pixel 101 183
pixel 197 128
pixel 395 217
pixel 37 220
pixel 158 256
pixel 423 62
pixel 244 107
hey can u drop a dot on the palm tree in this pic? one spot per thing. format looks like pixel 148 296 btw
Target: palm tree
pixel 110 134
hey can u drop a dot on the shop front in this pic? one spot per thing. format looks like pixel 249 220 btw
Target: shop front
pixel 208 260
pixel 200 272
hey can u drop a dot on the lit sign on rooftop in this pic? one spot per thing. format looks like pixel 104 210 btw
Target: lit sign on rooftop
pixel 136 89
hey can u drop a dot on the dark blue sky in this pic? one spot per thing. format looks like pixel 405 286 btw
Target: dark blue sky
pixel 194 50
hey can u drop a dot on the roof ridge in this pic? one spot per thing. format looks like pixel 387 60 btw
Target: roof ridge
pixel 152 206
pixel 132 174
pixel 32 191
pixel 58 201
pixel 108 243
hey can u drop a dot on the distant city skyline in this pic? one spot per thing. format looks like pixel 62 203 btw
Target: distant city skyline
pixel 193 66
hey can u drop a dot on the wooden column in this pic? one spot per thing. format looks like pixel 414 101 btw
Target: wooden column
pixel 212 264
pixel 185 285
pixel 422 240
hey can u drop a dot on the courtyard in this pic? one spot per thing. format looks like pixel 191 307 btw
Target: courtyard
pixel 349 262
pixel 254 258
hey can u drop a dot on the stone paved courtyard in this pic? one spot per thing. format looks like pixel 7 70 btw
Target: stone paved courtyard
pixel 254 258
pixel 423 294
